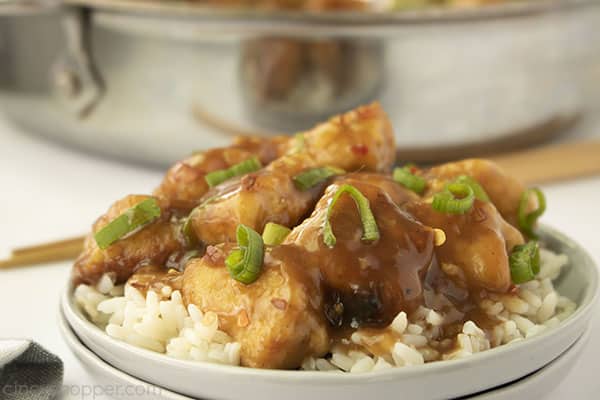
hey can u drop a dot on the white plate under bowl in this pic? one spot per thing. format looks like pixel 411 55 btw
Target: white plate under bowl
pixel 533 386
pixel 438 380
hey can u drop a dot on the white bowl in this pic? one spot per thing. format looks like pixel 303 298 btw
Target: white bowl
pixel 438 380
pixel 535 385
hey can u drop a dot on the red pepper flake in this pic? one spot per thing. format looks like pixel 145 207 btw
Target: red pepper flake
pixel 214 254
pixel 360 149
pixel 247 182
pixel 279 303
pixel 478 214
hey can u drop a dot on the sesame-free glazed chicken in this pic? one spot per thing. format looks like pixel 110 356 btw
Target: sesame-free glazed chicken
pixel 504 191
pixel 292 268
pixel 184 181
pixel 477 243
pixel 367 282
pixel 153 244
pixel 277 319
pixel 359 140
pixel 307 289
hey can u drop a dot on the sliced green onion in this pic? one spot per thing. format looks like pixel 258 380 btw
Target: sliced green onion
pixel 245 263
pixel 141 214
pixel 457 198
pixel 274 234
pixel 220 176
pixel 526 220
pixel 406 178
pixel 313 177
pixel 524 262
pixel 187 229
pixel 370 229
pixel 477 188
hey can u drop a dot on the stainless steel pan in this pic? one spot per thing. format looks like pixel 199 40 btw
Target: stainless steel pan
pixel 152 81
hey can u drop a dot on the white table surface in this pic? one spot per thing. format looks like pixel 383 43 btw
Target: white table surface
pixel 49 192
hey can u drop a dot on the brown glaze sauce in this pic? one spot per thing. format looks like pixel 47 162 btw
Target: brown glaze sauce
pixel 362 286
pixel 374 281
pixel 156 278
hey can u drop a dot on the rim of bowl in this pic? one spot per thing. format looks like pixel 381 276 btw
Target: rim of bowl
pixel 73 341
pixel 582 312
pixel 82 351
pixel 185 10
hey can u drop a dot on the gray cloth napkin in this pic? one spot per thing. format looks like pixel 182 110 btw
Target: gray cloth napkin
pixel 28 371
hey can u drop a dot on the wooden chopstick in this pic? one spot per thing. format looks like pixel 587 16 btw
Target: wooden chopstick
pixel 76 242
pixel 552 163
pixel 60 250
pixel 540 165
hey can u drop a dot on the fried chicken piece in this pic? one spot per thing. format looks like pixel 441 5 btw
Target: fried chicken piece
pixel 184 181
pixel 367 283
pixel 276 319
pixel 477 242
pixel 360 139
pixel 151 244
pixel 504 191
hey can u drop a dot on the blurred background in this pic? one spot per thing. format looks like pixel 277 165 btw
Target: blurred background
pixel 152 80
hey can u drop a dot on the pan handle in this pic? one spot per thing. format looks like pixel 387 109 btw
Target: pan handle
pixel 76 81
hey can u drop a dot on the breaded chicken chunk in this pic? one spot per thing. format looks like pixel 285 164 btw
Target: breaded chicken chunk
pixel 151 244
pixel 367 283
pixel 184 181
pixel 276 319
pixel 360 139
pixel 477 244
pixel 504 191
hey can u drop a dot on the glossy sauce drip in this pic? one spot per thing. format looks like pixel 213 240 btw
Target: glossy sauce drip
pixel 474 254
pixel 155 278
pixel 367 284
pixel 303 266
pixel 464 298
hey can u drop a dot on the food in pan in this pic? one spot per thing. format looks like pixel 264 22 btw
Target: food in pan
pixel 319 252
pixel 344 5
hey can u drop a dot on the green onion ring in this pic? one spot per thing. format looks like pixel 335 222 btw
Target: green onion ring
pixel 409 180
pixel 526 220
pixel 245 263
pixel 141 214
pixel 457 198
pixel 216 177
pixel 274 234
pixel 524 262
pixel 370 229
pixel 477 188
pixel 314 176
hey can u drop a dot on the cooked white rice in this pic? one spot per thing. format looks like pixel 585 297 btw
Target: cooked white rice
pixel 160 322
